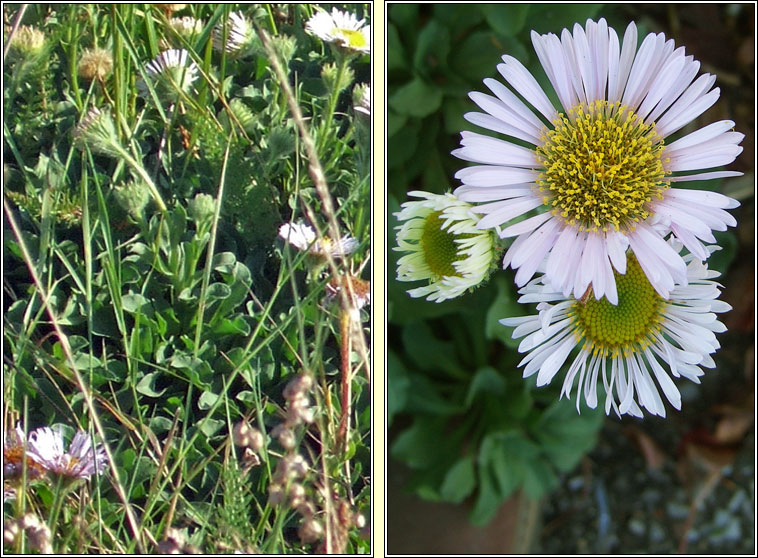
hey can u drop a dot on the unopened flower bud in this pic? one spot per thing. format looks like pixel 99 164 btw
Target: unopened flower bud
pixel 296 494
pixel 275 494
pixel 310 530
pixel 299 385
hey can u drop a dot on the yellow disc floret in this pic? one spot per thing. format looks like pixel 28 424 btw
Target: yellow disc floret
pixel 609 329
pixel 440 249
pixel 353 39
pixel 603 165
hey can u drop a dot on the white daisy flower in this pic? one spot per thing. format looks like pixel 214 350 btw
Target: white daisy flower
pixel 171 70
pixel 240 34
pixel 444 246
pixel 362 99
pixel 303 237
pixel 643 337
pixel 45 446
pixel 341 28
pixel 601 171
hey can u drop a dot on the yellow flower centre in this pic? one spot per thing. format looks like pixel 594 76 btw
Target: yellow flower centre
pixel 609 329
pixel 352 38
pixel 603 167
pixel 439 247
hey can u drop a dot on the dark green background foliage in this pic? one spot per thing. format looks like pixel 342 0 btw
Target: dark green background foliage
pixel 460 415
pixel 164 341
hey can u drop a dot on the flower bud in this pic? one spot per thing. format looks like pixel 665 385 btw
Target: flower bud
pixel 310 530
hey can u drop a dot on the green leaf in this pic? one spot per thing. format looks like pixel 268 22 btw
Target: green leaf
pixel 565 435
pixel 217 291
pixel 432 48
pixel 395 122
pixel 488 500
pixel 424 397
pixel 146 385
pixel 460 481
pixel 486 380
pixel 236 325
pixel 424 349
pixel 404 143
pixel 207 400
pixel 539 478
pixel 506 19
pixel 404 15
pixel 395 52
pixel 416 98
pixel 458 17
pixel 421 445
pixel 505 305
pixel 397 386
pixel 721 259
pixel 134 302
pixel 553 18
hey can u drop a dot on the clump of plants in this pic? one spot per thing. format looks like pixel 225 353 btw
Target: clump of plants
pixel 172 360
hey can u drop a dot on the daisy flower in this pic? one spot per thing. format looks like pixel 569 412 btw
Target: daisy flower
pixel 187 26
pixel 45 446
pixel 303 237
pixel 171 70
pixel 642 340
pixel 341 28
pixel 600 170
pixel 14 446
pixel 361 288
pixel 240 34
pixel 362 99
pixel 97 131
pixel 443 245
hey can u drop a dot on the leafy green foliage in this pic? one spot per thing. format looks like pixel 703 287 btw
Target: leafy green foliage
pixel 168 327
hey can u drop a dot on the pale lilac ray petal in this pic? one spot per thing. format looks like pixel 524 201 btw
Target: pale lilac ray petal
pixel 490 122
pixel 527 225
pixel 485 149
pixel 524 83
pixel 490 175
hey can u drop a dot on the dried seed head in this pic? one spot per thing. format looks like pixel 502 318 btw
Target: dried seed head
pixel 310 530
pixel 95 63
pixel 240 433
pixel 10 531
pixel 296 494
pixel 298 386
pixel 37 533
pixel 275 494
pixel 305 508
pixel 169 9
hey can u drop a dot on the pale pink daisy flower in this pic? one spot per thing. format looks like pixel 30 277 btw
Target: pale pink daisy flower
pixel 82 460
pixel 304 238
pixel 633 347
pixel 600 171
